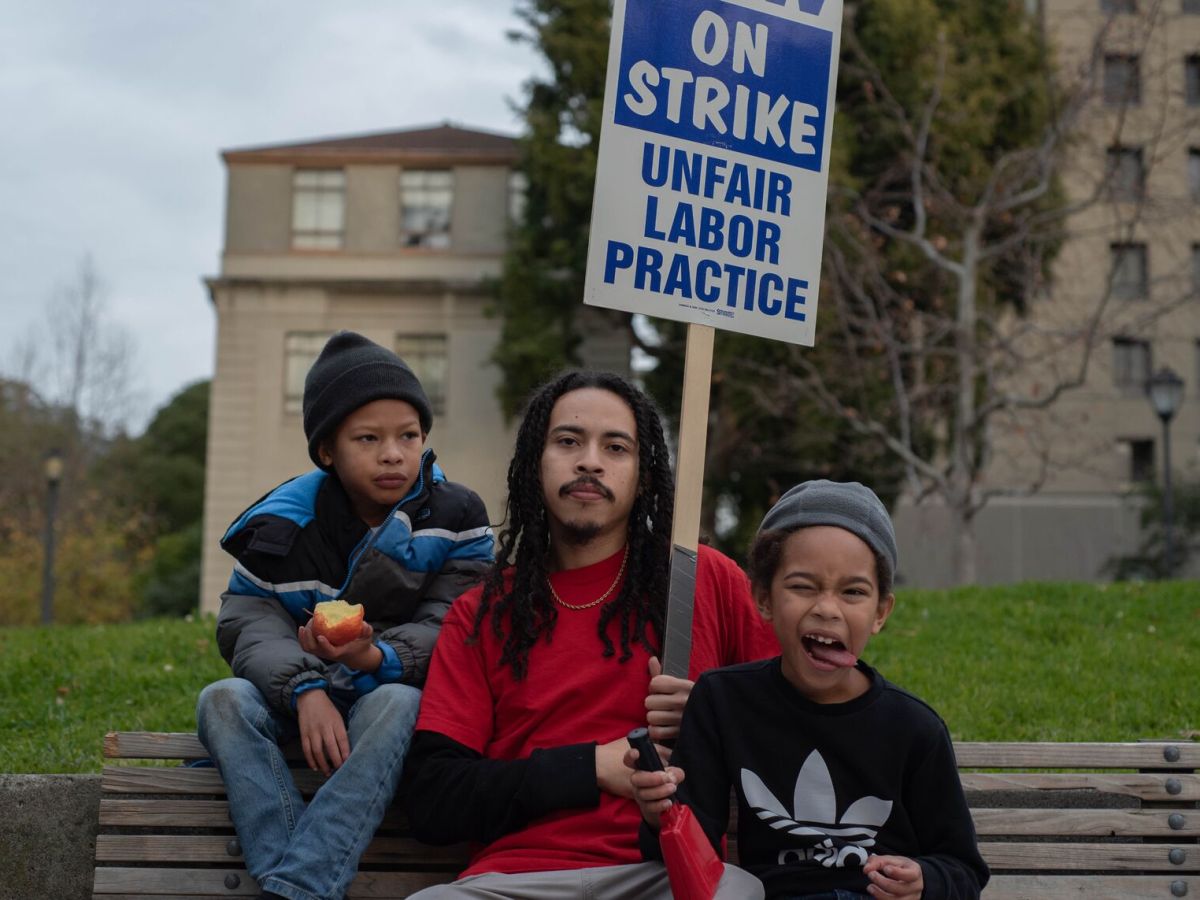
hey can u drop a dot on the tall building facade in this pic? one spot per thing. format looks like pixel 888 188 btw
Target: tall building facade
pixel 1067 482
pixel 397 235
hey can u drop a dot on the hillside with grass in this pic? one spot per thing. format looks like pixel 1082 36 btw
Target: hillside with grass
pixel 1058 662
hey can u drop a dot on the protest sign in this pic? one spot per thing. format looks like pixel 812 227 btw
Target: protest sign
pixel 714 161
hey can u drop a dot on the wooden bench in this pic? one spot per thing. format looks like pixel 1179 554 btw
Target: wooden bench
pixel 1122 824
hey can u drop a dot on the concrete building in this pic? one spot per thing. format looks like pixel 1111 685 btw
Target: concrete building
pixel 393 235
pixel 1131 264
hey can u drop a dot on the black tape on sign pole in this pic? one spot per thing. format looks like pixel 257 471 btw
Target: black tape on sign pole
pixel 681 599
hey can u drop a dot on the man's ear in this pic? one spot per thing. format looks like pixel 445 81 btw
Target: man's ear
pixel 886 605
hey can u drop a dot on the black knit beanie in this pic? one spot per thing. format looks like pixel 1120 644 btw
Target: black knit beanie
pixel 846 504
pixel 352 372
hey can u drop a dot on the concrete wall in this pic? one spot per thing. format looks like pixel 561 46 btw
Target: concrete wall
pixel 373 198
pixel 48 826
pixel 479 220
pixel 258 209
pixel 1043 538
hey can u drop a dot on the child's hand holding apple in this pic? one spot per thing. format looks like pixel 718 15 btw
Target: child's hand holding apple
pixel 337 632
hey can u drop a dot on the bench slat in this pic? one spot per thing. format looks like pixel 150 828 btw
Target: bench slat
pixel 1112 857
pixel 174 812
pixel 113 882
pixel 1111 822
pixel 1144 787
pixel 153 745
pixel 180 780
pixel 191 813
pixel 1080 887
pixel 1149 755
pixel 971 754
pixel 1103 857
pixel 166 813
pixel 214 848
pixel 157 780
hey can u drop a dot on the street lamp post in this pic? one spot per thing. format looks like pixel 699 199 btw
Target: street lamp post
pixel 1165 390
pixel 53 469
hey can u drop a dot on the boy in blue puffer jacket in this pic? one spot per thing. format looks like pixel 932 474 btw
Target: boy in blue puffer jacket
pixel 376 524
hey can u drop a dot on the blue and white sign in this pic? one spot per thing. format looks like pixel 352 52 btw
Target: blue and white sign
pixel 714 163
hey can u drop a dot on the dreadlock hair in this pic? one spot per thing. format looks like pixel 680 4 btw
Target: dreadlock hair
pixel 525 606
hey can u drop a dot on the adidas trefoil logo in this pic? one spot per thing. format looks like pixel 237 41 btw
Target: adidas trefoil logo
pixel 831 841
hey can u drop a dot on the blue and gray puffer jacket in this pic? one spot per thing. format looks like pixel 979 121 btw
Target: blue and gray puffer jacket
pixel 302 543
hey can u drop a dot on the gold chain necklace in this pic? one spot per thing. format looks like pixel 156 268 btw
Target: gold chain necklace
pixel 612 587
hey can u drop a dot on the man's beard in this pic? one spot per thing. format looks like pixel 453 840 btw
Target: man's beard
pixel 579 533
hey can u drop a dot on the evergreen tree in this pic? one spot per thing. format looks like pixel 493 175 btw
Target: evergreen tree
pixel 542 284
pixel 156 480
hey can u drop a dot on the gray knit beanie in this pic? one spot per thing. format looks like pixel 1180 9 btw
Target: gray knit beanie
pixel 848 505
pixel 352 372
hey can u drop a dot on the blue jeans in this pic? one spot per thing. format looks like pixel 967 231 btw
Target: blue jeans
pixel 835 894
pixel 305 853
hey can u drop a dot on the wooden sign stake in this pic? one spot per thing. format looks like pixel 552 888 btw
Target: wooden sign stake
pixel 689 495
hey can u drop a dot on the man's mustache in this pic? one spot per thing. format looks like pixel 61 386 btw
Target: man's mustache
pixel 586 481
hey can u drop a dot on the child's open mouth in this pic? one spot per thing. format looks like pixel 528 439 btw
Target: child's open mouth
pixel 826 652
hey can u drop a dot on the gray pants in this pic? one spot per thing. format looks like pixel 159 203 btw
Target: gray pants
pixel 641 881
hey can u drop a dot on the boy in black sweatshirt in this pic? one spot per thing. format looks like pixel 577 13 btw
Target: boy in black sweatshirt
pixel 846 785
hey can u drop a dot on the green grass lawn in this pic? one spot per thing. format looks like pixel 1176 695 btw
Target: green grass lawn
pixel 1057 662
pixel 1027 662
pixel 63 687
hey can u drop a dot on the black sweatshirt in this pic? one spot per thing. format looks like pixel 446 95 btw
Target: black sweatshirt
pixel 451 793
pixel 821 786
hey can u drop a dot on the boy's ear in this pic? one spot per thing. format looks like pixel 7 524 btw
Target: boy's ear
pixel 323 453
pixel 886 605
pixel 762 599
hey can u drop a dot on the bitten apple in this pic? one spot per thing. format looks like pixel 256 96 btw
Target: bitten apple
pixel 339 621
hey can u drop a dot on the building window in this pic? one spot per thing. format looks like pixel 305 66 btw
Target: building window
pixel 518 190
pixel 1126 173
pixel 1131 363
pixel 1140 453
pixel 1191 80
pixel 1194 172
pixel 426 355
pixel 1129 277
pixel 318 209
pixel 1122 80
pixel 1191 6
pixel 1196 272
pixel 1118 6
pixel 300 351
pixel 426 200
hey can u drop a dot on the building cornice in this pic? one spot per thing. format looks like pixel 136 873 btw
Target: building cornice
pixel 359 286
pixel 334 158
pixel 443 145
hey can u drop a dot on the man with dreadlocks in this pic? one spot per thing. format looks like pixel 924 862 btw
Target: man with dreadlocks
pixel 541 671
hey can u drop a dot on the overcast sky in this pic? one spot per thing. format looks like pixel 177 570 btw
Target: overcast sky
pixel 113 115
